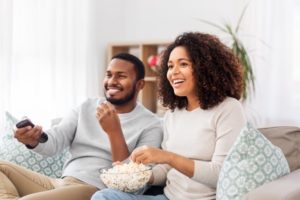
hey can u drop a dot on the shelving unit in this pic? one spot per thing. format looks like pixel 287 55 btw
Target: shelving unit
pixel 143 50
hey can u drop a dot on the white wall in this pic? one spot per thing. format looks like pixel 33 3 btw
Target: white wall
pixel 103 21
pixel 144 20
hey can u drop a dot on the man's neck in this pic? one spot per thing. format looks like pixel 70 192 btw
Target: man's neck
pixel 125 108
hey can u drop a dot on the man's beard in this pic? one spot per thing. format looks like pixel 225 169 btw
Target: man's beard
pixel 123 100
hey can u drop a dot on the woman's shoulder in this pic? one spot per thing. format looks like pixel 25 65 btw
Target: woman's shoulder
pixel 229 105
pixel 230 101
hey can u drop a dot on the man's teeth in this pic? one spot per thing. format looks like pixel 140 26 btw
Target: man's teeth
pixel 112 91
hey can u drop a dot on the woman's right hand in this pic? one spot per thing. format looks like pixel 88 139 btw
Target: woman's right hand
pixel 148 155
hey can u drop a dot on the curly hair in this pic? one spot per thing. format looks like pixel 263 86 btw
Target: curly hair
pixel 216 70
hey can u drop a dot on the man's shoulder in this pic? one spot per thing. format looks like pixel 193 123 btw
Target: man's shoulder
pixel 145 111
pixel 144 114
pixel 92 101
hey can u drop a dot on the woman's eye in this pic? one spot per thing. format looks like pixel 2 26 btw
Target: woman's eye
pixel 184 64
pixel 170 66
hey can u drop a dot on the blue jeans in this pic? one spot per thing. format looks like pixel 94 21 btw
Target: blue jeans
pixel 111 194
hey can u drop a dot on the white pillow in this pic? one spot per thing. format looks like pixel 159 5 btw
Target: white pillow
pixel 13 151
pixel 252 161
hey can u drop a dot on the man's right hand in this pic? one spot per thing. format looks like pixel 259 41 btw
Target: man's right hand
pixel 108 119
pixel 28 136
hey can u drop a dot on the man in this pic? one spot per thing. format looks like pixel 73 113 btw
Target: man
pixel 121 124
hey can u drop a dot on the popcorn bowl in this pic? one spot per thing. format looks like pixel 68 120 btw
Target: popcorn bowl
pixel 128 177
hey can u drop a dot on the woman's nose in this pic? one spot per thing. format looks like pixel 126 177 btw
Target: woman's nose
pixel 175 70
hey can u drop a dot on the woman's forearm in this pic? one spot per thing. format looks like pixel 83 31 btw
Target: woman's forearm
pixel 182 164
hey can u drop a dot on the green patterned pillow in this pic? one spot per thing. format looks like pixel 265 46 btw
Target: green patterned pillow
pixel 252 161
pixel 13 151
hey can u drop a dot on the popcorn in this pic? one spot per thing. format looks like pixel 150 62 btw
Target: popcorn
pixel 128 177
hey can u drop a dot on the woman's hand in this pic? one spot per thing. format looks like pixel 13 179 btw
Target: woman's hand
pixel 153 155
pixel 147 155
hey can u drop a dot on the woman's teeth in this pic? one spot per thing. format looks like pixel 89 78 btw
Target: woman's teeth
pixel 178 81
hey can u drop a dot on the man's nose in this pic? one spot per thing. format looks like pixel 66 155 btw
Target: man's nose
pixel 112 80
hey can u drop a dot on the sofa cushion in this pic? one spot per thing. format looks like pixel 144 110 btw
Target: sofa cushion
pixel 288 139
pixel 13 151
pixel 284 188
pixel 252 161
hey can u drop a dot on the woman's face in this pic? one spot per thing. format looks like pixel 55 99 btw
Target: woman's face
pixel 180 73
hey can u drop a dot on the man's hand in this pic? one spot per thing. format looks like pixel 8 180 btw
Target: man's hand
pixel 109 121
pixel 108 118
pixel 28 136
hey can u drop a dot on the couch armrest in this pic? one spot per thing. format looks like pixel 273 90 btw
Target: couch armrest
pixel 284 188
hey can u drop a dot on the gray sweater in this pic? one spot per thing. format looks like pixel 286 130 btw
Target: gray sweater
pixel 89 145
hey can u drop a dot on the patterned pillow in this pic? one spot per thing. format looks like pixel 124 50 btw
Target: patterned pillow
pixel 252 161
pixel 13 151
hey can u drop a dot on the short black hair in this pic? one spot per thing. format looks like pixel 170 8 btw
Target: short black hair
pixel 138 64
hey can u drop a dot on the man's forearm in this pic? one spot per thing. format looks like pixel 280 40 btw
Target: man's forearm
pixel 119 149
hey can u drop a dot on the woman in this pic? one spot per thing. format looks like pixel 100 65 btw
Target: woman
pixel 201 83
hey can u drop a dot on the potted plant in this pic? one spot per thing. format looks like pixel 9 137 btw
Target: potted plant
pixel 240 51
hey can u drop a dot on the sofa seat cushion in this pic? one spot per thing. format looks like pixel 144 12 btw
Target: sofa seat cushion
pixel 284 188
pixel 251 162
pixel 287 138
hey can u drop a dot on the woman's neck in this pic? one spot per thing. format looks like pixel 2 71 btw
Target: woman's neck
pixel 193 103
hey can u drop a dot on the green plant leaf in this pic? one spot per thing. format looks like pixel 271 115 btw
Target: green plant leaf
pixel 241 18
pixel 239 51
pixel 213 24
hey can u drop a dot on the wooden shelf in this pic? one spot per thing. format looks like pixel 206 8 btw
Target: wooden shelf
pixel 143 50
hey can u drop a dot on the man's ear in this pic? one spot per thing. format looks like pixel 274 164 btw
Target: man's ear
pixel 140 84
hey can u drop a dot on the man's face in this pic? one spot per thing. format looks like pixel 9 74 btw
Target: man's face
pixel 120 82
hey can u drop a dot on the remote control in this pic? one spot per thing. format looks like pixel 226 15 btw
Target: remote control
pixel 27 122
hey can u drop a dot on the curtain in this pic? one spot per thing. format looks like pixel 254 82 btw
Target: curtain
pixel 275 55
pixel 46 68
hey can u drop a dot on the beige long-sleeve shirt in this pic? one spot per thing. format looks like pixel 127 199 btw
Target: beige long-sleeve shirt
pixel 204 136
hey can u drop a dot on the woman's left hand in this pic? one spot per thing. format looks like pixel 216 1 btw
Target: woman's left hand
pixel 147 155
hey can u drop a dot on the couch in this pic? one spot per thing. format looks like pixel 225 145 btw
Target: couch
pixel 286 187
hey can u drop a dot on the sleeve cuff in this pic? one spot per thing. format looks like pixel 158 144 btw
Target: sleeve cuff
pixel 160 174
pixel 206 173
pixel 30 147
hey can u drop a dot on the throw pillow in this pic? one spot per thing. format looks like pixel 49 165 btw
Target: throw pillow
pixel 13 151
pixel 252 161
